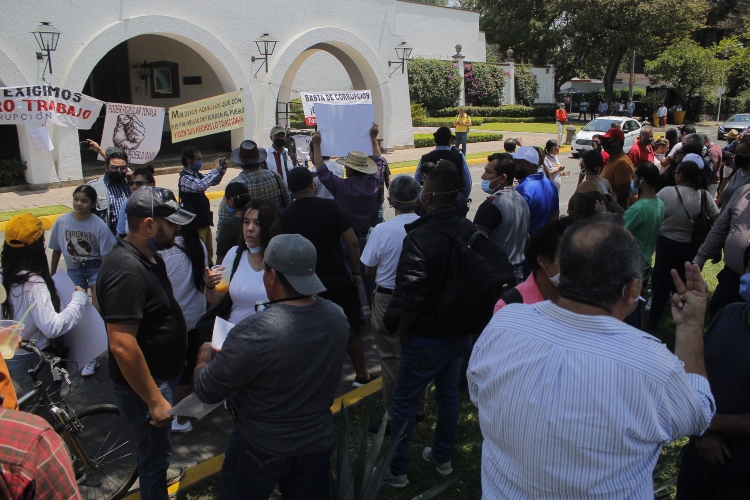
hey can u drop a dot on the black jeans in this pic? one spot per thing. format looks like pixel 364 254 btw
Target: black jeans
pixel 670 254
pixel 700 480
pixel 727 291
pixel 250 474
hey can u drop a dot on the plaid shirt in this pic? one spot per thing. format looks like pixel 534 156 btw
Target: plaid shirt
pixel 34 461
pixel 194 182
pixel 117 195
pixel 261 183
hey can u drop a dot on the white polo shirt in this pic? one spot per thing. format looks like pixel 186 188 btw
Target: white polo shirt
pixel 383 249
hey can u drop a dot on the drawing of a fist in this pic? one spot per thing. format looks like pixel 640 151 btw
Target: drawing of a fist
pixel 129 132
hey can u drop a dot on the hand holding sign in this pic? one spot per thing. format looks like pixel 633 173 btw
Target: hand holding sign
pixel 129 132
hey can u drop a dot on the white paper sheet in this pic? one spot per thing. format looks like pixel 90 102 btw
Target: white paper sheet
pixel 41 139
pixel 192 407
pixel 221 330
pixel 88 339
pixel 345 127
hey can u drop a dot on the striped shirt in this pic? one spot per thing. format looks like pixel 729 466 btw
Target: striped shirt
pixel 194 182
pixel 261 183
pixel 577 406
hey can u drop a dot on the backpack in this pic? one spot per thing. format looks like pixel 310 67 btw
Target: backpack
pixel 708 168
pixel 701 222
pixel 479 273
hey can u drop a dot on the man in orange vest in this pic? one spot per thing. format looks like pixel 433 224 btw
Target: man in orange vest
pixel 560 118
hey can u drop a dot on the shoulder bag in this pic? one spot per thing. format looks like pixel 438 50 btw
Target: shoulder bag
pixel 702 223
pixel 205 325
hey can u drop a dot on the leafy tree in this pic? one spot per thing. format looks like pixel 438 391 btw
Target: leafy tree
pixel 434 84
pixel 484 84
pixel 692 70
pixel 527 88
pixel 737 51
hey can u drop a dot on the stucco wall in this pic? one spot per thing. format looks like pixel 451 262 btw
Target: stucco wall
pixel 362 33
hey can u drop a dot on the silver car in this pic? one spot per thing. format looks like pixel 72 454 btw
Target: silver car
pixel 739 122
pixel 598 126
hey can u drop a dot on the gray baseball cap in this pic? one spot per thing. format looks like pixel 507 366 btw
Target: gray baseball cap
pixel 157 202
pixel 294 256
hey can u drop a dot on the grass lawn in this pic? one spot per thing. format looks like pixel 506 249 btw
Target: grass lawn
pixel 467 455
pixel 409 163
pixel 542 128
pixel 51 210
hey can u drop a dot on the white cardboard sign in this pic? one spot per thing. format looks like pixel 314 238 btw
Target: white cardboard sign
pixel 345 128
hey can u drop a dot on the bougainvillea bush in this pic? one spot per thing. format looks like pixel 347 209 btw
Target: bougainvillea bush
pixel 527 88
pixel 484 84
pixel 434 84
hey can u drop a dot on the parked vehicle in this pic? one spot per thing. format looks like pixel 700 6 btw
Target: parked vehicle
pixel 582 140
pixel 739 122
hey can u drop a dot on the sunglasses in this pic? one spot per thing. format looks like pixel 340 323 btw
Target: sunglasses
pixel 138 183
pixel 118 168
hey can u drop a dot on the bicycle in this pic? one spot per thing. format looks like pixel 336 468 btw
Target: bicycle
pixel 101 442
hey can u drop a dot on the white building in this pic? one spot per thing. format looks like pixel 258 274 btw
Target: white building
pixel 105 42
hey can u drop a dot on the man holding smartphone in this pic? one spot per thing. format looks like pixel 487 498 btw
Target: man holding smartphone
pixel 192 188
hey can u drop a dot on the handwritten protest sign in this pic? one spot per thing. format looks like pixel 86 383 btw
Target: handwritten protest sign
pixel 207 116
pixel 136 129
pixel 309 99
pixel 40 104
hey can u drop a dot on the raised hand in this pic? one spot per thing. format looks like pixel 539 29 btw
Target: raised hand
pixel 689 303
pixel 374 131
pixel 129 132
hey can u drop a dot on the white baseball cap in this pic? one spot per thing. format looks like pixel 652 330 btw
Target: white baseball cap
pixel 526 153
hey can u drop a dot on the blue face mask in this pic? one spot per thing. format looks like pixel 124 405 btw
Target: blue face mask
pixel 632 187
pixel 486 187
pixel 257 249
pixel 230 210
pixel 152 245
pixel 745 287
pixel 197 165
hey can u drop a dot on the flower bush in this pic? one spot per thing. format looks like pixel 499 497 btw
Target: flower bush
pixel 434 84
pixel 527 88
pixel 426 140
pixel 484 84
pixel 512 110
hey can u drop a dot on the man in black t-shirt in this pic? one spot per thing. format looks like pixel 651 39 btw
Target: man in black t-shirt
pixel 325 223
pixel 146 329
pixel 716 465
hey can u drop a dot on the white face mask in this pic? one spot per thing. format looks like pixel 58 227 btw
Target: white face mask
pixel 257 249
pixel 555 280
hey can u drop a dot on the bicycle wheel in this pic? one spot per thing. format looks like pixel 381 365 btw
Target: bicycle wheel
pixel 108 440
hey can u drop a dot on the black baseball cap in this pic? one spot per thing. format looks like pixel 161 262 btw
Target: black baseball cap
pixel 157 202
pixel 299 178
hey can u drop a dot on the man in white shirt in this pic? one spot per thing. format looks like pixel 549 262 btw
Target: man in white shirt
pixel 662 115
pixel 278 159
pixel 380 258
pixel 602 108
pixel 573 403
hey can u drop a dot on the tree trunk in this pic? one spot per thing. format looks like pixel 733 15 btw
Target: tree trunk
pixel 610 74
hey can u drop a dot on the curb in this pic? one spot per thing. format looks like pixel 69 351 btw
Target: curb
pixel 212 466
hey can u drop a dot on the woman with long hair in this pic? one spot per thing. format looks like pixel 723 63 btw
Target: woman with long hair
pixel 29 286
pixel 236 197
pixel 185 263
pixel 261 221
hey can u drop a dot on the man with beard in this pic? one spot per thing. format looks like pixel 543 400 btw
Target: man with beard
pixel 112 189
pixel 146 330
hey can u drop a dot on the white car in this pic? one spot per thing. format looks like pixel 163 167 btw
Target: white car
pixel 598 126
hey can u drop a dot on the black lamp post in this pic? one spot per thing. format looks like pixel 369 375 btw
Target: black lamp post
pixel 266 45
pixel 145 75
pixel 46 37
pixel 403 52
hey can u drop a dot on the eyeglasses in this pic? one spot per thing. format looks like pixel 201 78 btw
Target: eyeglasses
pixel 118 168
pixel 139 183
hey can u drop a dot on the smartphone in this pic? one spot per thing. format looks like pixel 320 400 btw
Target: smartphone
pixel 85 145
pixel 222 162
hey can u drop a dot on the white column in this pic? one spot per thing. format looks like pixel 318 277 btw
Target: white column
pixel 458 58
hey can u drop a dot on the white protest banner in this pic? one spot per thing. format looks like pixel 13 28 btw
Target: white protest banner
pixel 207 116
pixel 345 128
pixel 41 139
pixel 136 129
pixel 40 104
pixel 88 339
pixel 344 97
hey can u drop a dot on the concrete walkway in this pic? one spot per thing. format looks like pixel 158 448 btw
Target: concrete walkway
pixel 22 200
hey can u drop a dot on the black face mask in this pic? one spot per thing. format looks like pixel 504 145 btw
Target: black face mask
pixel 741 161
pixel 279 143
pixel 646 142
pixel 116 177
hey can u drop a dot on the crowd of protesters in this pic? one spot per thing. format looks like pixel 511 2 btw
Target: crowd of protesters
pixel 575 397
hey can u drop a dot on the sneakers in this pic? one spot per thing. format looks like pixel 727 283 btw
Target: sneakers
pixel 174 475
pixel 396 481
pixel 443 469
pixel 359 381
pixel 181 428
pixel 89 369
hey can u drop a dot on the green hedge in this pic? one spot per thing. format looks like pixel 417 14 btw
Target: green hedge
pixel 526 119
pixel 12 172
pixel 442 122
pixel 538 110
pixel 426 140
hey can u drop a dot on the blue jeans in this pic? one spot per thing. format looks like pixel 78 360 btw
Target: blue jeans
pixel 251 474
pixel 152 443
pixel 86 274
pixel 461 138
pixel 418 366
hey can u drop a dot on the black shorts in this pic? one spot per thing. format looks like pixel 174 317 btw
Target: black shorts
pixel 191 357
pixel 345 294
